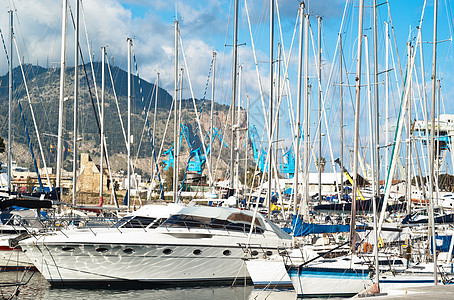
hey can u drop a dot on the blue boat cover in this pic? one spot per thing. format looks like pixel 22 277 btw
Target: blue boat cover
pixel 443 242
pixel 301 228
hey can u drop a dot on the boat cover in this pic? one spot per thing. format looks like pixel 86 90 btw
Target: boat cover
pixel 302 228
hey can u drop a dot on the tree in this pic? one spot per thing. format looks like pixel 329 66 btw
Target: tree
pixel 116 185
pixel 322 163
pixel 2 145
pixel 253 177
pixel 168 176
pixel 29 184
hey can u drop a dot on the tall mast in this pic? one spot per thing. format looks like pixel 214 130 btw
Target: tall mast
pixel 175 116
pixel 377 140
pixel 306 119
pixel 211 117
pixel 372 150
pixel 10 100
pixel 319 73
pixel 62 92
pixel 232 106
pixel 154 121
pixel 432 142
pixel 278 101
pixel 341 116
pixel 237 150
pixel 270 126
pixel 356 133
pixel 377 120
pixel 128 183
pixel 101 177
pixel 178 146
pixel 298 112
pixel 408 148
pixel 246 141
pixel 76 102
pixel 386 98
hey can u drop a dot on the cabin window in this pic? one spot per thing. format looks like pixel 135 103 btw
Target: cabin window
pixel 102 250
pixel 390 262
pixel 197 252
pixel 167 251
pixel 227 252
pixel 68 249
pixel 129 251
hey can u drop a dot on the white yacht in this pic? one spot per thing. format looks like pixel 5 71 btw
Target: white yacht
pixel 196 245
pixel 13 225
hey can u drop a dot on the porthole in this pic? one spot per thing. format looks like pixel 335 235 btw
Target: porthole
pixel 227 252
pixel 129 251
pixel 254 253
pixel 68 249
pixel 269 253
pixel 167 251
pixel 102 250
pixel 197 252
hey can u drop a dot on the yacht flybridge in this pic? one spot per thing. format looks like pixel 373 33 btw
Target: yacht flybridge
pixel 194 245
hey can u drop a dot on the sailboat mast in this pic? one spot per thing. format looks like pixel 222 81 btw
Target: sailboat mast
pixel 386 98
pixel 101 177
pixel 408 148
pixel 377 141
pixel 356 131
pixel 376 95
pixel 10 100
pixel 306 119
pixel 341 116
pixel 154 121
pixel 232 106
pixel 319 73
pixel 237 163
pixel 246 143
pixel 371 133
pixel 278 102
pixel 178 146
pixel 128 183
pixel 432 142
pixel 298 112
pixel 270 124
pixel 175 116
pixel 76 101
pixel 211 118
pixel 62 92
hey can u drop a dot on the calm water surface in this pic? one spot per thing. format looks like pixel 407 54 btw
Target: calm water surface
pixel 39 288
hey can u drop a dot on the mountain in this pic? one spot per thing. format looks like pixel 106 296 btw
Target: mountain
pixel 44 89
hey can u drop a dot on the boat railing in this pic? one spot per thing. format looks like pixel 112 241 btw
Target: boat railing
pixel 445 279
pixel 252 250
pixel 55 223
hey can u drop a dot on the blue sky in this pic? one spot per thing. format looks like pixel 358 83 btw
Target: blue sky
pixel 207 26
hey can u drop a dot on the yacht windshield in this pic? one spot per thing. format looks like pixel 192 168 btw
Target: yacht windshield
pixel 138 222
pixel 235 223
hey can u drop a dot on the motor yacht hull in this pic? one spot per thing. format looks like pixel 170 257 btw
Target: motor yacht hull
pixel 177 258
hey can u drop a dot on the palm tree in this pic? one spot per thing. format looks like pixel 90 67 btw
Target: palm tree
pixel 322 163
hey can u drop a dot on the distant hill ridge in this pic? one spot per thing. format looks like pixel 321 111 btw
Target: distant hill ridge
pixel 44 87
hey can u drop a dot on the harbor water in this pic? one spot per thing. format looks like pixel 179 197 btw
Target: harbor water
pixel 38 288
